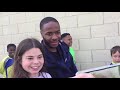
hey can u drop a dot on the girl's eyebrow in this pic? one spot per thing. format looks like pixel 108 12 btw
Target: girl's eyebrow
pixel 32 56
pixel 29 56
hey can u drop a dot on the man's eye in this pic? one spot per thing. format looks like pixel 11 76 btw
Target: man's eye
pixel 58 32
pixel 50 34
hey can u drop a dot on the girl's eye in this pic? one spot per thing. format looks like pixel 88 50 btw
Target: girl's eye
pixel 30 58
pixel 40 57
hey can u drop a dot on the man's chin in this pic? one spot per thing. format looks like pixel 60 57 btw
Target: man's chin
pixel 54 45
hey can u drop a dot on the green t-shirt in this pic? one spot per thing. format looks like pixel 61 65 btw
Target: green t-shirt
pixel 71 50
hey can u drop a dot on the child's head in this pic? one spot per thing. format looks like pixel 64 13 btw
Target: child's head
pixel 29 59
pixel 66 37
pixel 11 50
pixel 115 54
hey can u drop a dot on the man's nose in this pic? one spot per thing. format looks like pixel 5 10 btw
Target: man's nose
pixel 54 36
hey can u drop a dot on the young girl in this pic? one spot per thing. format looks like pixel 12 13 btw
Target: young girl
pixel 115 54
pixel 29 60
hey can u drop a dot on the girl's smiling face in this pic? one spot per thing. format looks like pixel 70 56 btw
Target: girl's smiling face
pixel 32 61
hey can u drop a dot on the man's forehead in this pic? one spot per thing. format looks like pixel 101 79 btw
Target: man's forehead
pixel 51 30
pixel 51 25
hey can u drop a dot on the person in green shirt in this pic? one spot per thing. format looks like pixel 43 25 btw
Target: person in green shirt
pixel 66 37
pixel 11 51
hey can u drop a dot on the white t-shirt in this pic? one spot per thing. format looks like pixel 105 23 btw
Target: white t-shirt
pixel 44 75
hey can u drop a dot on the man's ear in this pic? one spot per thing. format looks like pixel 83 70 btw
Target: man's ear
pixel 41 33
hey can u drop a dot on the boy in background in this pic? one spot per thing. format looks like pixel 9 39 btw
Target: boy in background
pixel 115 54
pixel 66 37
pixel 11 51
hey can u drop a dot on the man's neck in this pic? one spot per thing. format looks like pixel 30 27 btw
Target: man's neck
pixel 52 49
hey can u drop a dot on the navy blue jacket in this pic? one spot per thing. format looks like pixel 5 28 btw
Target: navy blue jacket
pixel 64 66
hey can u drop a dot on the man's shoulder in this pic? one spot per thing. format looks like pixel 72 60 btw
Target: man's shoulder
pixel 64 45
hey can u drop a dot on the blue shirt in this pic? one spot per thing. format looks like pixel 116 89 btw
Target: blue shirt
pixel 59 64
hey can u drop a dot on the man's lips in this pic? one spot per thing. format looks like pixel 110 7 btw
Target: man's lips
pixel 54 43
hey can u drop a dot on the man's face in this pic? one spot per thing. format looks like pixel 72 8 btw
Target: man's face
pixel 51 34
pixel 68 40
pixel 11 51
